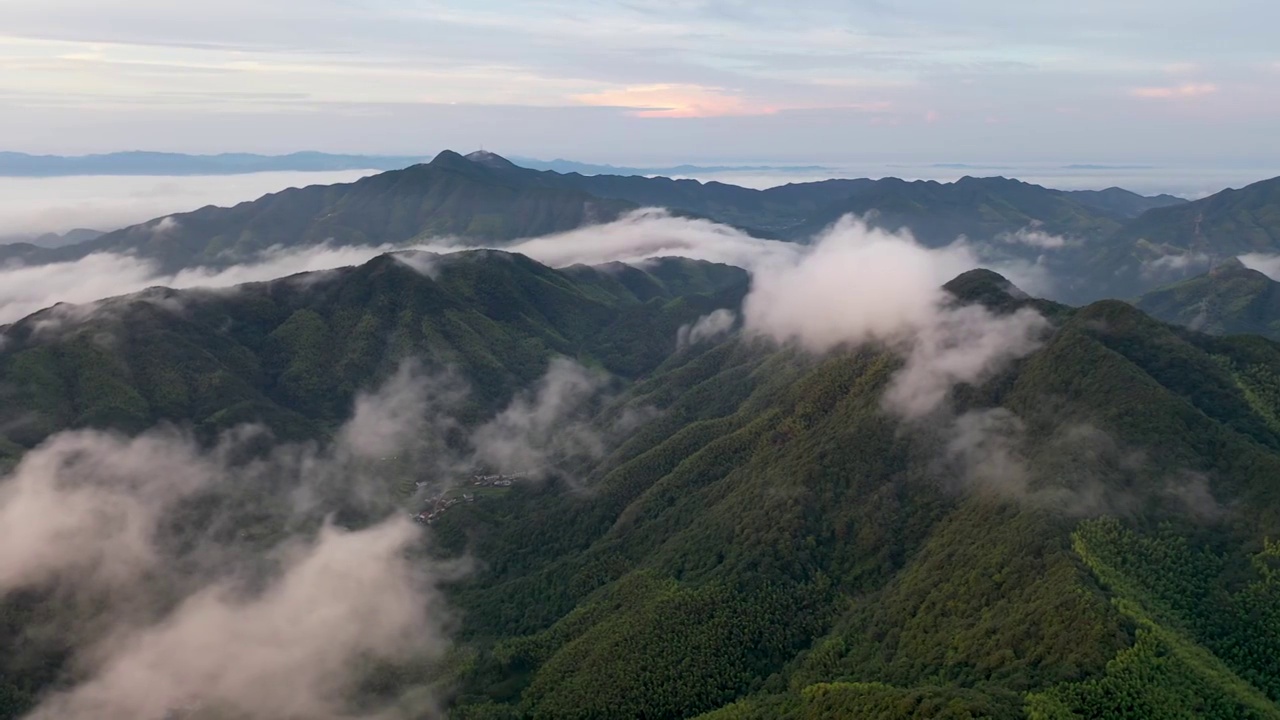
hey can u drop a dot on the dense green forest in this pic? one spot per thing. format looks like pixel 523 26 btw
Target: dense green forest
pixel 767 541
pixel 864 585
pixel 1229 299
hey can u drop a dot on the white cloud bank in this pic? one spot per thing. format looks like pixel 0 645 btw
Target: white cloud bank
pixel 651 233
pixel 857 285
pixel 640 236
pixel 1034 236
pixel 1264 263
pixel 26 289
pixel 157 629
pixel 853 284
pixel 708 327
pixel 32 206
pixel 546 425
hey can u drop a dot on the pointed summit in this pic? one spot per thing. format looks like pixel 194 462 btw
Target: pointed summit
pixel 986 287
pixel 491 160
pixel 1230 266
pixel 449 159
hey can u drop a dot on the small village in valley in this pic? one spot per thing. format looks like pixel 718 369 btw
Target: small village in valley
pixel 435 506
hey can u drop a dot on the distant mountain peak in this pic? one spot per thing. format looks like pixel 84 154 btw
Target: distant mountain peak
pixel 1231 267
pixel 984 286
pixel 491 160
pixel 447 157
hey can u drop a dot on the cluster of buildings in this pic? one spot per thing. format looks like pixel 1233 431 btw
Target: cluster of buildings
pixel 436 506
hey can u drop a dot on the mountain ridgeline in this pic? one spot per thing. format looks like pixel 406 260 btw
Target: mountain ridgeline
pixel 292 353
pixel 1094 244
pixel 1087 532
pixel 1230 299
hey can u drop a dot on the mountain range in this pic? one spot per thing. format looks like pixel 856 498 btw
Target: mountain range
pixel 1085 531
pixel 1093 243
pixel 1229 299
pixel 14 164
pixel 821 484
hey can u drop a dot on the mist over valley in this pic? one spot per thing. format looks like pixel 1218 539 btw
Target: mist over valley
pixel 738 362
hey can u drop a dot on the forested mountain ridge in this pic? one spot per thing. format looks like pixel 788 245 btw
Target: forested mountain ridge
pixel 1088 532
pixel 978 208
pixel 776 536
pixel 450 197
pixel 1121 202
pixel 1092 244
pixel 291 353
pixel 159 163
pixel 1229 222
pixel 1229 299
pixel 485 199
pixel 1167 244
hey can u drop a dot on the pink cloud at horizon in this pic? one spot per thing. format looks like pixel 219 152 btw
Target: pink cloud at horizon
pixel 1187 90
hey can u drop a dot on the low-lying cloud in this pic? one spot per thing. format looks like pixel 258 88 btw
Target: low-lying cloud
pixel 1176 264
pixel 85 505
pixel 289 630
pixel 708 327
pixel 545 425
pixel 27 289
pixel 651 233
pixel 1264 263
pixel 853 284
pixel 640 236
pixel 250 633
pixel 1034 236
pixel 1081 470
pixel 859 285
pixel 34 206
pixel 287 651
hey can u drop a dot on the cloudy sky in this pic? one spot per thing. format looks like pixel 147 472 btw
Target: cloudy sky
pixel 649 80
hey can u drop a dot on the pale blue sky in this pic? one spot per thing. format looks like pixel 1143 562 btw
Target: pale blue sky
pixel 649 80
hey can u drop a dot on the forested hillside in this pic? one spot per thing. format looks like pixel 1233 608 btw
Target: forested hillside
pixel 1087 536
pixel 1229 299
pixel 1094 243
pixel 293 352
pixel 1173 243
pixel 450 197
pixel 1088 533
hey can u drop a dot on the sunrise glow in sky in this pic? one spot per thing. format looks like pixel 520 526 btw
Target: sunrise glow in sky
pixel 658 79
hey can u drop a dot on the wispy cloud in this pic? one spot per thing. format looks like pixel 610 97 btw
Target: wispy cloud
pixel 635 238
pixel 1187 90
pixel 856 285
pixel 157 626
pixel 676 101
pixel 1175 264
pixel 707 327
pixel 24 290
pixel 700 61
pixel 1034 236
pixel 40 205
pixel 1264 263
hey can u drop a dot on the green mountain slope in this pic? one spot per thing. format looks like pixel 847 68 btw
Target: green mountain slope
pixel 1121 202
pixel 293 353
pixel 1168 244
pixel 1090 533
pixel 448 197
pixel 1231 222
pixel 979 208
pixel 776 546
pixel 1230 299
pixel 783 211
pixel 483 197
